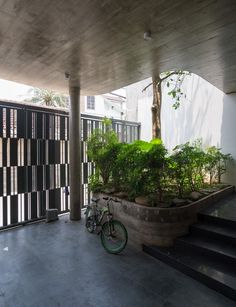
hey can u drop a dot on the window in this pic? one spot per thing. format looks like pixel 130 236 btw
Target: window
pixel 91 102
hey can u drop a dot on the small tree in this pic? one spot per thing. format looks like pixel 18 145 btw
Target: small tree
pixel 216 163
pixel 129 167
pixel 103 146
pixel 48 98
pixel 173 80
pixel 187 164
pixel 156 165
pixel 140 167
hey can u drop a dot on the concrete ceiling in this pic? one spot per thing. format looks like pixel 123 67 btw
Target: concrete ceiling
pixel 100 43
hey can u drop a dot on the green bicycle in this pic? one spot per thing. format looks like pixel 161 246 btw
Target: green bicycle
pixel 114 236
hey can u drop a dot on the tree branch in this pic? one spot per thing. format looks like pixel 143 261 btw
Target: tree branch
pixel 171 74
pixel 146 87
pixel 164 78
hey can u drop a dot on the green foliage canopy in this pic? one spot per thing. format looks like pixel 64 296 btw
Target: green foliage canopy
pixel 146 168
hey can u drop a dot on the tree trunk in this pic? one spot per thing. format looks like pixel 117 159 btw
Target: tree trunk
pixel 156 109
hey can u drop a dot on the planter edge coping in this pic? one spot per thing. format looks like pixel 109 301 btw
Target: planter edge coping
pixel 194 203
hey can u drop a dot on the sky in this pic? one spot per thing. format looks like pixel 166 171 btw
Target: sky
pixel 17 92
pixel 13 91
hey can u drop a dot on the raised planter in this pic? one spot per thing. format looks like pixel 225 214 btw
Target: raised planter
pixel 160 226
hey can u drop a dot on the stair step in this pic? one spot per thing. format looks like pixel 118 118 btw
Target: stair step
pixel 210 230
pixel 208 253
pixel 215 248
pixel 213 273
pixel 224 209
pixel 204 217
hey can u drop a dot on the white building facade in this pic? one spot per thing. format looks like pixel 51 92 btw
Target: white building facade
pixel 110 105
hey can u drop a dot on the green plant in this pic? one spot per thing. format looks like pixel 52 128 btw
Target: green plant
pixel 140 167
pixel 146 168
pixel 102 148
pixel 216 163
pixel 156 164
pixel 187 166
pixel 198 163
pixel 48 98
pixel 177 170
pixel 128 170
pixel 95 184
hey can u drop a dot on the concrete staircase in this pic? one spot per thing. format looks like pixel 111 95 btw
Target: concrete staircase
pixel 208 253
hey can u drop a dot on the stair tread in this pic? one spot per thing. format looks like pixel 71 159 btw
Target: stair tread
pixel 208 253
pixel 214 269
pixel 217 229
pixel 218 246
pixel 225 209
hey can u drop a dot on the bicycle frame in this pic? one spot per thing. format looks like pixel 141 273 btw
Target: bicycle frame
pixel 99 213
pixel 102 213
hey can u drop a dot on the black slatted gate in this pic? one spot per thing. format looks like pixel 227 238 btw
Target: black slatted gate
pixel 34 160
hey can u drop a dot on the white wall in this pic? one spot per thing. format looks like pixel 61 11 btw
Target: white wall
pixel 138 107
pixel 114 109
pixel 145 118
pixel 206 113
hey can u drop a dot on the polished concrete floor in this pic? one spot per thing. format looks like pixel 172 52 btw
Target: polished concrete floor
pixel 61 265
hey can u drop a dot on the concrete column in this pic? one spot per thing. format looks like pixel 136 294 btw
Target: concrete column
pixel 75 154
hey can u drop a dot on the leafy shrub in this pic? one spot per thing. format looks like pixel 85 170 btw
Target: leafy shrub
pixel 216 163
pixel 130 169
pixel 146 168
pixel 95 184
pixel 140 167
pixel 102 149
pixel 187 166
pixel 155 163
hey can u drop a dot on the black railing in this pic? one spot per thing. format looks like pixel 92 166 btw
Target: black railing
pixel 34 160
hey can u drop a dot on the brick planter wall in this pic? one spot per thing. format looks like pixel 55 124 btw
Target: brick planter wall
pixel 159 226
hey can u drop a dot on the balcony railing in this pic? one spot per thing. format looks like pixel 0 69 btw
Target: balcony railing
pixel 34 160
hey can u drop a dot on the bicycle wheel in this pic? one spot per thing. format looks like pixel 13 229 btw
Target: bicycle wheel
pixel 90 220
pixel 114 236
